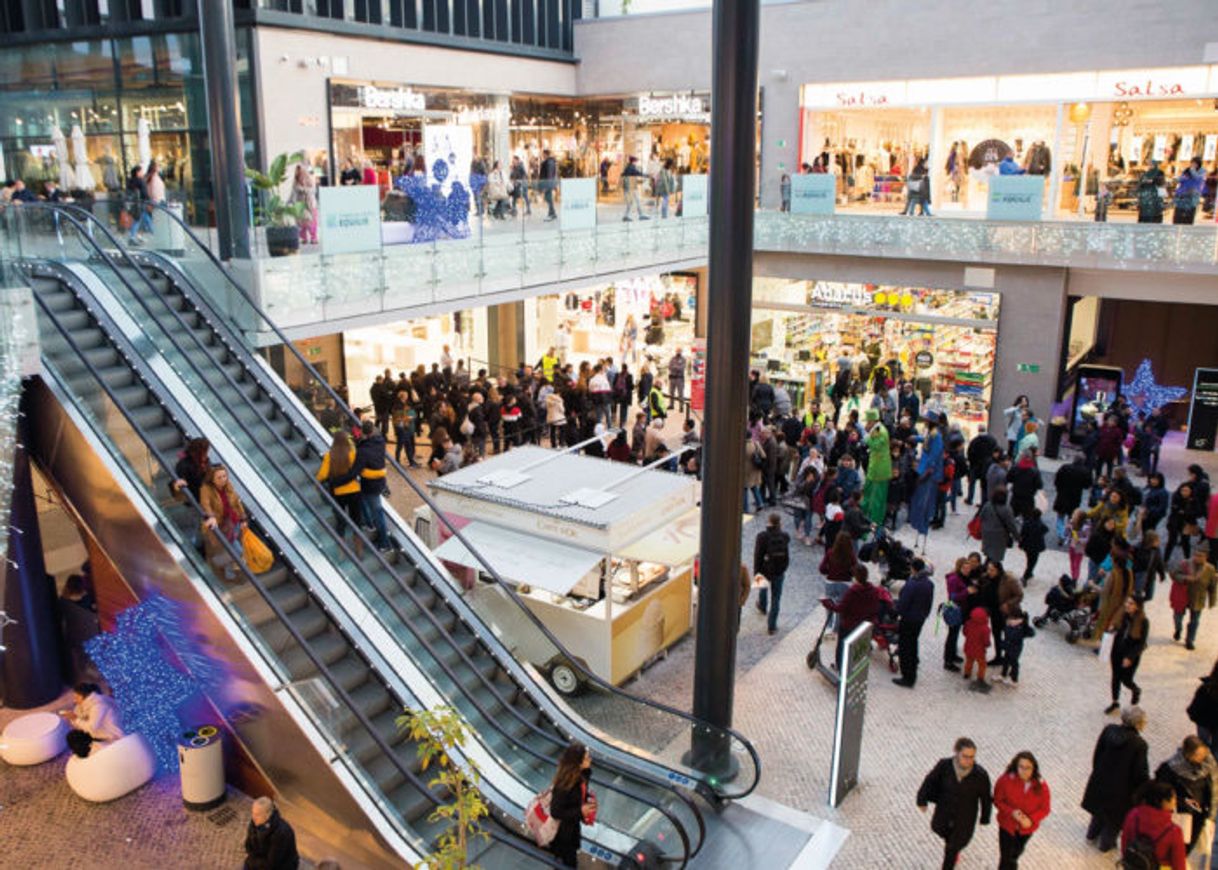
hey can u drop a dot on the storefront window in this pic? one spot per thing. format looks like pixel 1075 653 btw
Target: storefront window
pixel 942 340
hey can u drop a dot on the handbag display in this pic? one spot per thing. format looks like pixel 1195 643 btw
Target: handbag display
pixel 258 556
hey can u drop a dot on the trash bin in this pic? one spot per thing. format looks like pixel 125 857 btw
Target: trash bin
pixel 1053 441
pixel 201 763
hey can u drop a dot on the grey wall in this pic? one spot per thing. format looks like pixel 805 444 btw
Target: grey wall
pixel 1030 320
pixel 870 40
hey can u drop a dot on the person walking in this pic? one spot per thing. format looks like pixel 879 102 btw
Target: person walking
pixel 571 802
pixel 1149 828
pixel 754 462
pixel 405 420
pixel 304 192
pixel 270 842
pixel 976 645
pixel 1183 518
pixel 548 177
pixel 139 204
pixel 1032 532
pixel 1193 775
pixel 1119 767
pixel 676 378
pixel 1069 484
pixel 1148 566
pixel 771 557
pixel 957 582
pixel 665 186
pixel 917 189
pixel 930 475
pixel 1021 803
pixel 979 454
pixel 1188 192
pixel 913 607
pixel 632 179
pixel 959 788
pixel 1128 642
pixel 1194 586
pixel 998 527
pixel 838 566
pixel 1152 194
pixel 1203 709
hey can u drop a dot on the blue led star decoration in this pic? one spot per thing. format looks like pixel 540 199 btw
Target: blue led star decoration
pixel 153 668
pixel 1145 395
pixel 436 216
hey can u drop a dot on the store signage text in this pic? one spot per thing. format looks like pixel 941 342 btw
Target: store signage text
pixel 841 294
pixel 477 114
pixel 1148 88
pixel 397 99
pixel 676 106
pixel 861 98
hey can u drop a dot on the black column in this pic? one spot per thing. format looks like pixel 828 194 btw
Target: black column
pixel 728 299
pixel 224 126
pixel 31 663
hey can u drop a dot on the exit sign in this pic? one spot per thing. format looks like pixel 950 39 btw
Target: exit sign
pixel 1030 368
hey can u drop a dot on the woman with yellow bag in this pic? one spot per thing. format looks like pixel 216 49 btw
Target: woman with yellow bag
pixel 225 516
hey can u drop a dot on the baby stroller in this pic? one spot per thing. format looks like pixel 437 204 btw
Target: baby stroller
pixel 883 635
pixel 1065 603
pixel 892 557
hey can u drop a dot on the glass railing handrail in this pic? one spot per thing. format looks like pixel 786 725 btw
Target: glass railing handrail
pixel 252 579
pixel 384 599
pixel 708 780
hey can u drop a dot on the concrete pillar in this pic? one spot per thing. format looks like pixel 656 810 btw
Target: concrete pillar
pixel 505 336
pixel 1031 320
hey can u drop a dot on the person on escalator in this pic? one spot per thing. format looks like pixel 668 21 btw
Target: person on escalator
pixel 224 517
pixel 334 466
pixel 192 466
pixel 369 469
pixel 571 802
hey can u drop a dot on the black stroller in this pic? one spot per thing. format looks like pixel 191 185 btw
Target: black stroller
pixel 893 558
pixel 1065 603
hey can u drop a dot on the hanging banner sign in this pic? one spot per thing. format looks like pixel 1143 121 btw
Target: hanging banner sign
pixel 350 218
pixel 577 204
pixel 1186 148
pixel 697 383
pixel 1160 150
pixel 694 194
pixel 813 193
pixel 1015 198
pixel 1211 147
pixel 1203 411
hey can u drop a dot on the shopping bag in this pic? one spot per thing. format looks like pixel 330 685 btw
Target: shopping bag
pixel 258 556
pixel 542 826
pixel 974 526
pixel 1042 501
pixel 1106 645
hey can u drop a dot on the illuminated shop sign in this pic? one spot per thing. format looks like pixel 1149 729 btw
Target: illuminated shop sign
pixel 674 106
pixel 1131 84
pixel 478 114
pixel 396 99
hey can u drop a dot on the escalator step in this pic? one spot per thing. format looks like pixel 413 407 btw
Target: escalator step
pixel 116 375
pixel 132 396
pixel 309 621
pixel 411 803
pixel 372 699
pixel 57 299
pixel 102 357
pixel 289 597
pixel 147 417
pixel 385 774
pixel 330 647
pixel 350 672
pixel 74 320
pixel 164 437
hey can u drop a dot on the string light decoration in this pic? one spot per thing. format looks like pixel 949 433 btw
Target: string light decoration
pixel 136 660
pixel 14 332
pixel 1144 395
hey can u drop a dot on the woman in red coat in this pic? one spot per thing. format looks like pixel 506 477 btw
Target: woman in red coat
pixel 1021 799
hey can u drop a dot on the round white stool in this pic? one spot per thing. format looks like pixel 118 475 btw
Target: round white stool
pixel 33 739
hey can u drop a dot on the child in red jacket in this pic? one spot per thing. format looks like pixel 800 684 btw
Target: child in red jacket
pixel 976 644
pixel 1021 799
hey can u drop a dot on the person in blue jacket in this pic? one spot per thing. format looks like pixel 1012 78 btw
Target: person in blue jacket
pixel 930 475
pixel 913 607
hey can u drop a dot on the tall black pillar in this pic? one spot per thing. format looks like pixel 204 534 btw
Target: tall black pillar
pixel 728 300
pixel 224 126
pixel 31 662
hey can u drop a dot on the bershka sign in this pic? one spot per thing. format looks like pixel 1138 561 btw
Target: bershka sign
pixel 675 106
pixel 853 295
pixel 397 99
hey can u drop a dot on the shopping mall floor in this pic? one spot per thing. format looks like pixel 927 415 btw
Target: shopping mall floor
pixel 1056 711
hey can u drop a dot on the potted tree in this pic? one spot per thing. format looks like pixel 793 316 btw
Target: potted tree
pixel 280 217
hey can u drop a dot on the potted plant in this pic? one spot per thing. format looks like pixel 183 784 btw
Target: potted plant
pixel 281 218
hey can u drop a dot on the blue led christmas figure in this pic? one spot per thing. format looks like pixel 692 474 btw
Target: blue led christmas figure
pixel 436 216
pixel 135 659
pixel 440 169
pixel 1144 395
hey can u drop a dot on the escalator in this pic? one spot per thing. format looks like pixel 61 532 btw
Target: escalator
pixel 173 363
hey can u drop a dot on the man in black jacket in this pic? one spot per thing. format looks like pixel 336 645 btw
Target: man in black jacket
pixel 270 842
pixel 1070 482
pixel 1118 768
pixel 549 180
pixel 958 787
pixel 771 556
pixel 979 453
pixel 914 605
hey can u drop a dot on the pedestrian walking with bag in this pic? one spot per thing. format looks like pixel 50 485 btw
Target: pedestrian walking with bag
pixel 960 790
pixel 771 556
pixel 554 816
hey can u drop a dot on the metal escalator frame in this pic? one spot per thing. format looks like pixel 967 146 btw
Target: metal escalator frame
pixel 517 844
pixel 119 340
pixel 713 790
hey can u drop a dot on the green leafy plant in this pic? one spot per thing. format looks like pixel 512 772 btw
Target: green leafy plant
pixel 275 211
pixel 437 732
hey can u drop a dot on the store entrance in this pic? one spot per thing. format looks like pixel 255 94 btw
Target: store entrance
pixel 804 333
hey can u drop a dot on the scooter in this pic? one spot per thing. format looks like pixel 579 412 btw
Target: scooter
pixel 827 669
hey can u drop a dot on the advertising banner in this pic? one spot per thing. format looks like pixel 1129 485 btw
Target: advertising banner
pixel 813 193
pixel 1015 198
pixel 697 383
pixel 350 218
pixel 693 195
pixel 449 149
pixel 577 204
pixel 1203 411
pixel 848 724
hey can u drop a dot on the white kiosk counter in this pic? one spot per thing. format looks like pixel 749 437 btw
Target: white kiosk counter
pixel 600 551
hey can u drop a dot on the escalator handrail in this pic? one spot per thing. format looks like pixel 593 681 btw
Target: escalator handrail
pixel 118 339
pixel 486 568
pixel 253 580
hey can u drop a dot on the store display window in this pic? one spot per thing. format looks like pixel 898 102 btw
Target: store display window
pixel 943 341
